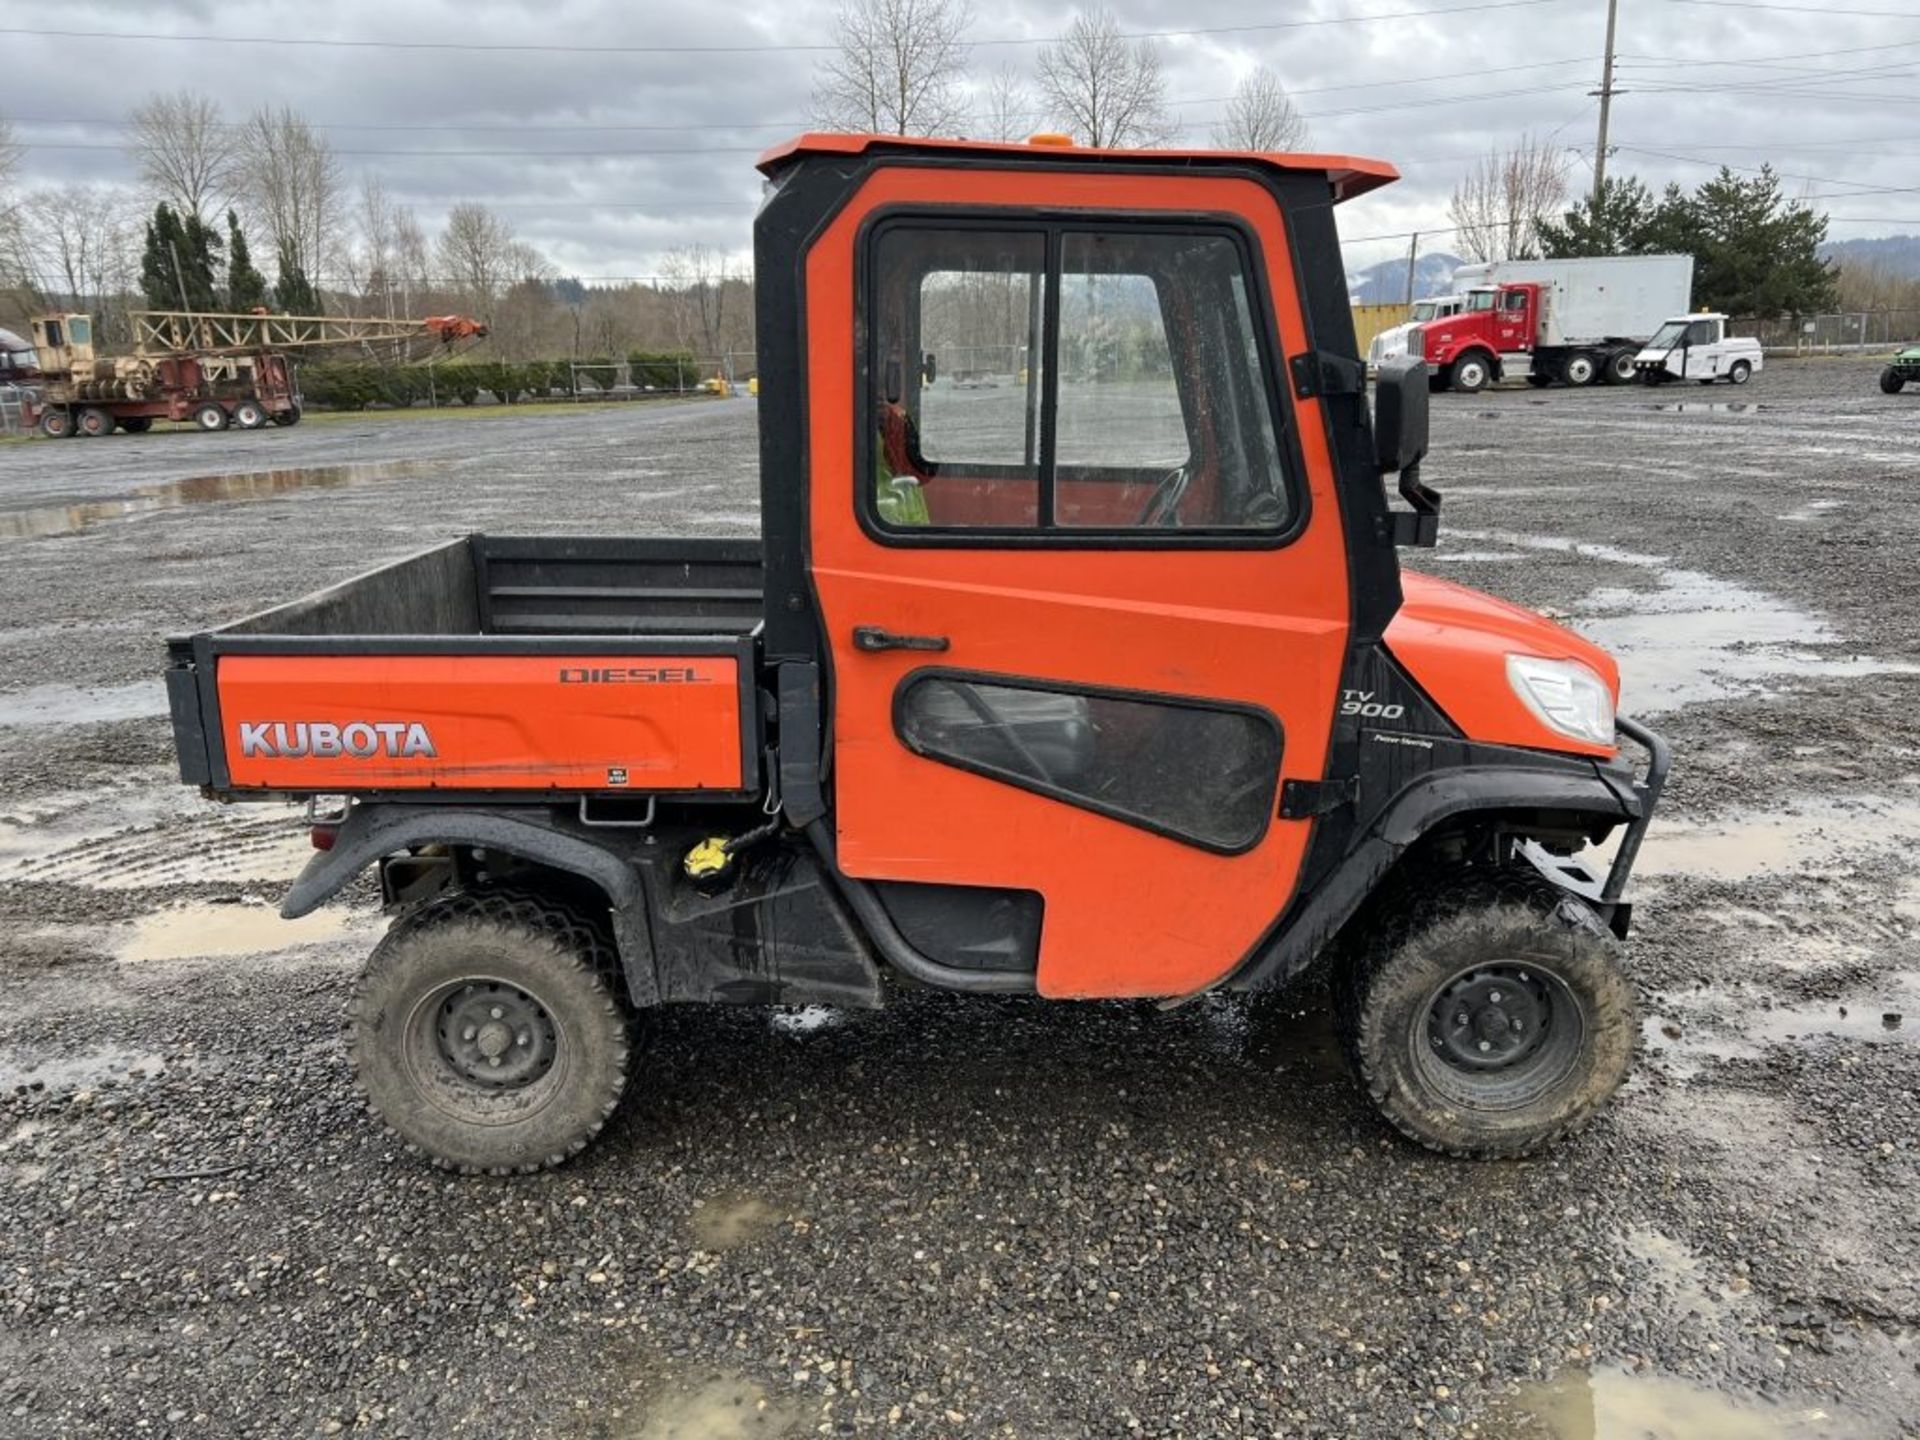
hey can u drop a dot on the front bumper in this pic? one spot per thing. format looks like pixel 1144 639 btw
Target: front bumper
pixel 1575 874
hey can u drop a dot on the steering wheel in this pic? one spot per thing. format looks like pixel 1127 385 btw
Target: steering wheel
pixel 1163 506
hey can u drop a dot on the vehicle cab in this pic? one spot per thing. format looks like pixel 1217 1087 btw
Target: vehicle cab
pixel 1697 347
pixel 19 363
pixel 63 343
pixel 1491 338
pixel 1403 339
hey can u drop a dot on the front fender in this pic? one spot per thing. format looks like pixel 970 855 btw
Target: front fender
pixel 372 831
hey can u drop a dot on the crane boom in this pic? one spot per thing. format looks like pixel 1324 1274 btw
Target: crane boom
pixel 176 332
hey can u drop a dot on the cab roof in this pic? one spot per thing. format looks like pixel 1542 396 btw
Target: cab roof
pixel 1350 175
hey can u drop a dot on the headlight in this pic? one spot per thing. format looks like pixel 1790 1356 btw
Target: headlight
pixel 1564 695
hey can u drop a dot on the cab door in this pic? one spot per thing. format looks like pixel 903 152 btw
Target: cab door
pixel 1078 558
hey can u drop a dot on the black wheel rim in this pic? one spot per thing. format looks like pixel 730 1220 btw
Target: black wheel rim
pixel 495 1035
pixel 452 1038
pixel 1499 1036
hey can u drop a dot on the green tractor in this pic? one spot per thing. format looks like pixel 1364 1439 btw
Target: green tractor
pixel 1900 369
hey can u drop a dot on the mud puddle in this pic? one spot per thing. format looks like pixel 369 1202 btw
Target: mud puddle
pixel 1709 407
pixel 1691 1031
pixel 1813 833
pixel 722 1409
pixel 729 1223
pixel 1613 1404
pixel 1695 637
pixel 206 931
pixel 78 705
pixel 48 520
pixel 84 1070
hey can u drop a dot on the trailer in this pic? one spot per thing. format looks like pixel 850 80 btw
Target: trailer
pixel 1555 321
pixel 214 370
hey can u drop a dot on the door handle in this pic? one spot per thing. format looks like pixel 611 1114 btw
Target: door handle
pixel 873 639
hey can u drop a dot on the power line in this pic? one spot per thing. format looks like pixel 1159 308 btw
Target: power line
pixel 1797 9
pixel 771 48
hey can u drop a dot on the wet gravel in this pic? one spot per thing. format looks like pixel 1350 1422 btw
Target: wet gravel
pixel 961 1218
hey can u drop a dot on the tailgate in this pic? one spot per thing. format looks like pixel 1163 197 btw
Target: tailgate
pixel 281 715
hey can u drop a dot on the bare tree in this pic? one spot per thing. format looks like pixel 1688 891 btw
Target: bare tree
pixel 410 258
pixel 1004 109
pixel 372 265
pixel 294 188
pixel 1261 116
pixel 79 246
pixel 476 256
pixel 1499 204
pixel 10 153
pixel 696 278
pixel 1107 90
pixel 13 259
pixel 900 68
pixel 188 156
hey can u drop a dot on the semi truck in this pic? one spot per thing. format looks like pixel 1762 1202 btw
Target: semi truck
pixel 213 370
pixel 1106 683
pixel 1555 321
pixel 1398 340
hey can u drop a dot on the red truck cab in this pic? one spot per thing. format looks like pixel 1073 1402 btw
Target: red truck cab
pixel 1493 335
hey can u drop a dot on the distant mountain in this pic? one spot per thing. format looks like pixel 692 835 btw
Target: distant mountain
pixel 1895 254
pixel 1386 283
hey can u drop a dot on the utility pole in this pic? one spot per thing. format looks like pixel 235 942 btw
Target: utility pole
pixel 1605 93
pixel 1413 253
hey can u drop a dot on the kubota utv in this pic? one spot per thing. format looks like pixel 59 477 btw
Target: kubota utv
pixel 1075 660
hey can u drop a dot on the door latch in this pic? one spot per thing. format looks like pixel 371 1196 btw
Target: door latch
pixel 872 639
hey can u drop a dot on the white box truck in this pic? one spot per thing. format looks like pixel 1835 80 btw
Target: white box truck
pixel 1555 321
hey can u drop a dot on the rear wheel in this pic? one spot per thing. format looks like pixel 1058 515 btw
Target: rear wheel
pixel 1580 368
pixel 56 424
pixel 1891 380
pixel 1494 1021
pixel 486 1032
pixel 1740 372
pixel 249 415
pixel 94 422
pixel 1619 368
pixel 1472 373
pixel 210 416
pixel 288 416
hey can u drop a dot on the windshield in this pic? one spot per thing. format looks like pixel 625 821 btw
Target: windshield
pixel 1668 335
pixel 1481 300
pixel 14 362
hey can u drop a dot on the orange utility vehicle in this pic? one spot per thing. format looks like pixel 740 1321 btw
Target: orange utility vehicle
pixel 1075 660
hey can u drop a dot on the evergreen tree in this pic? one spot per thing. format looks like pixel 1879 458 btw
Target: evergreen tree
pixel 293 292
pixel 1759 253
pixel 246 286
pixel 1616 224
pixel 178 262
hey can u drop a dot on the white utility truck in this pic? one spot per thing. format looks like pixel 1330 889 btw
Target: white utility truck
pixel 1697 347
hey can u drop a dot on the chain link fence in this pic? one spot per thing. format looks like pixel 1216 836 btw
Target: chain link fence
pixel 12 421
pixel 1834 334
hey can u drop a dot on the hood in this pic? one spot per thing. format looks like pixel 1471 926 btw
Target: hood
pixel 1455 642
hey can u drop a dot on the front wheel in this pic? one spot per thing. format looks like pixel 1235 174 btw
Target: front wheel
pixel 1472 374
pixel 1891 381
pixel 56 423
pixel 486 1031
pixel 1494 1022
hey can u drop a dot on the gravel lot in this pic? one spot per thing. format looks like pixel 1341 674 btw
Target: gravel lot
pixel 961 1218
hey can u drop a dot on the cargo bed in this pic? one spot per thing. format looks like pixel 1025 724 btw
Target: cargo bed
pixel 492 665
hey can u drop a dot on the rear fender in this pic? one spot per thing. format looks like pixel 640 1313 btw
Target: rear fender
pixel 373 831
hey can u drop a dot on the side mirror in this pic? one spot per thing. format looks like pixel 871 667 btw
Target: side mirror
pixel 929 369
pixel 1400 444
pixel 1400 415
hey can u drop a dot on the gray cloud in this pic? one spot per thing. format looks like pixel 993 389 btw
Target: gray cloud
pixel 1704 83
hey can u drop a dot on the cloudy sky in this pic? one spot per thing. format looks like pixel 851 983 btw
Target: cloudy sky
pixel 608 132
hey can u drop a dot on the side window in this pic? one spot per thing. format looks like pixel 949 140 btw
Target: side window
pixel 1516 300
pixel 1700 333
pixel 79 331
pixel 1068 380
pixel 53 334
pixel 1201 774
